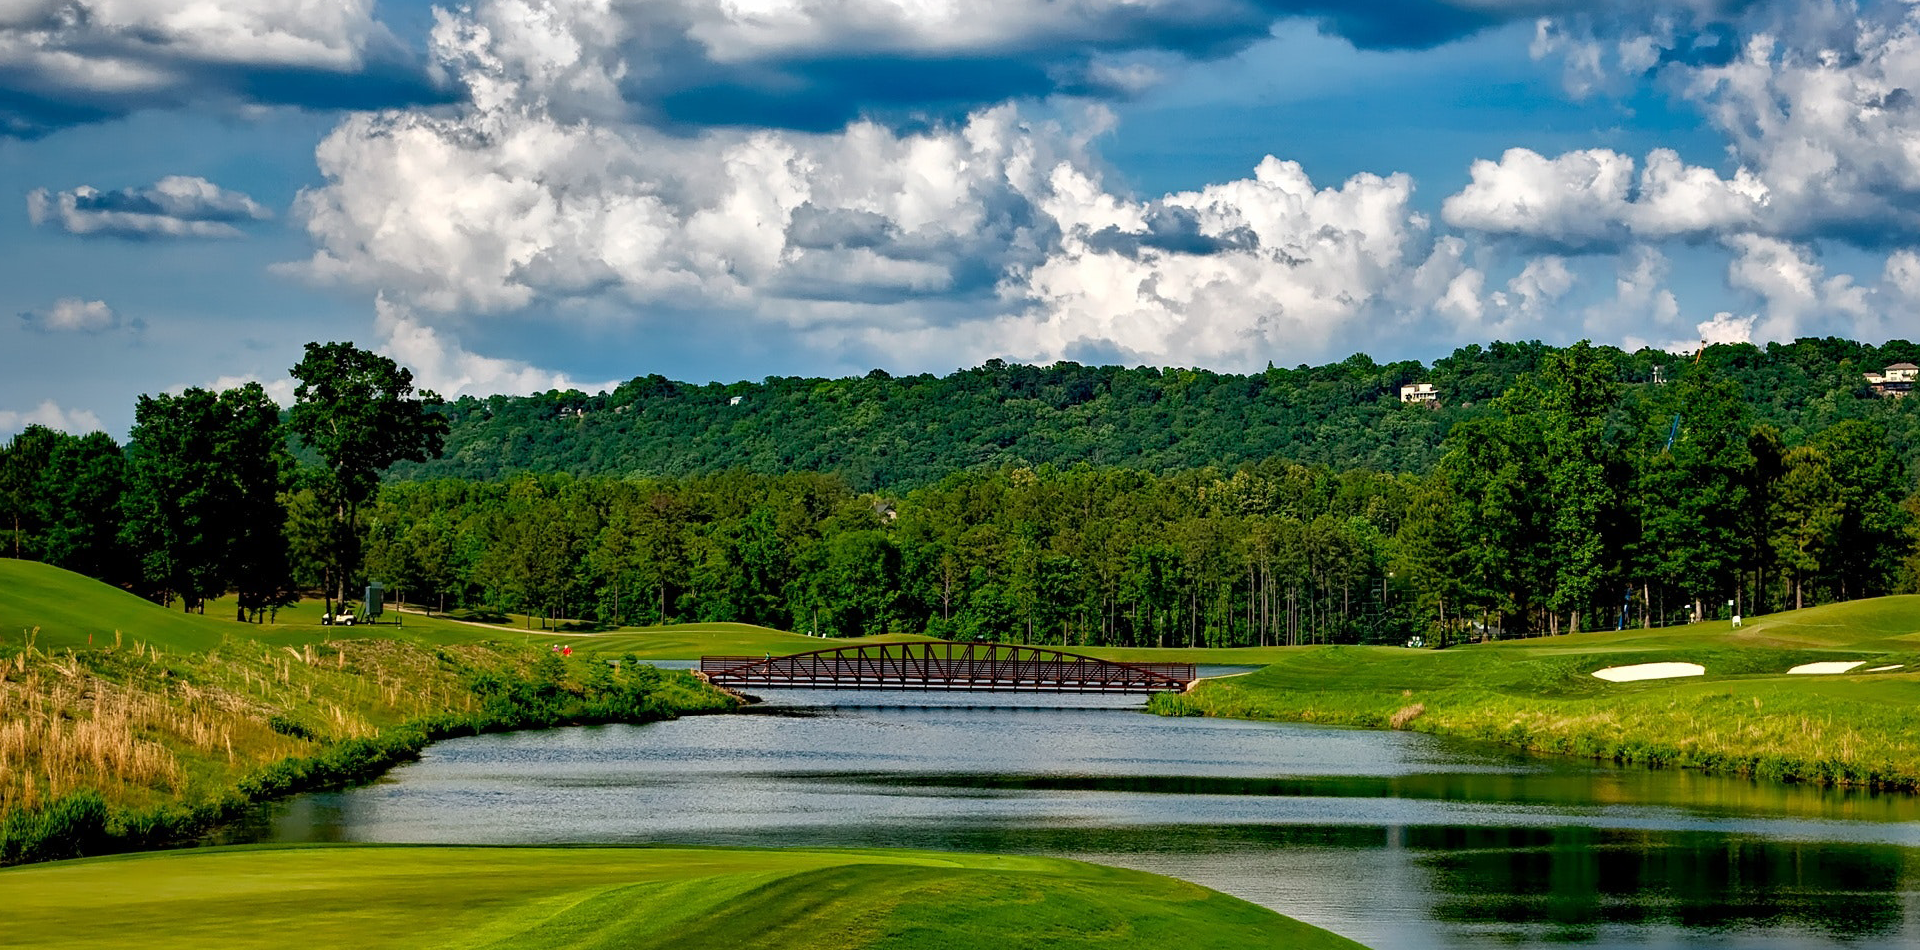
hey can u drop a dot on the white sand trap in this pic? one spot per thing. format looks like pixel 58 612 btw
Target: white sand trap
pixel 1883 669
pixel 1649 671
pixel 1837 666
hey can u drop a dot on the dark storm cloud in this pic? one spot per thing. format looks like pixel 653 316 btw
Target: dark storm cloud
pixel 813 227
pixel 1175 230
pixel 826 85
pixel 50 84
pixel 178 206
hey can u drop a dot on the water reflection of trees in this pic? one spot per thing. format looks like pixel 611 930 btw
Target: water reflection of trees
pixel 1572 884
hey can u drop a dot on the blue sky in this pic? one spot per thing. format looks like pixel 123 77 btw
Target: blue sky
pixel 524 194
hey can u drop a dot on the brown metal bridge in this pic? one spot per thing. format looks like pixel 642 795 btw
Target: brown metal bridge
pixel 987 667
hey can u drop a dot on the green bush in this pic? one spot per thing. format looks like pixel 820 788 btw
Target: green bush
pixel 71 826
pixel 291 728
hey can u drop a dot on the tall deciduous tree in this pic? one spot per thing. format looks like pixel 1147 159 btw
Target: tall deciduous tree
pixel 81 491
pixel 1806 515
pixel 23 460
pixel 1869 481
pixel 1695 493
pixel 359 412
pixel 174 514
pixel 250 450
pixel 203 502
pixel 1581 391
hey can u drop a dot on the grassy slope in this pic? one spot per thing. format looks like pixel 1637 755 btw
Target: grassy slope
pixel 184 706
pixel 72 610
pixel 1745 715
pixel 619 897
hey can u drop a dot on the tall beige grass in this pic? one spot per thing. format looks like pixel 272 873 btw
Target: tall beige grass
pixel 144 727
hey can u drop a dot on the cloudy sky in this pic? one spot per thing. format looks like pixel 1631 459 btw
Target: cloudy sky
pixel 516 195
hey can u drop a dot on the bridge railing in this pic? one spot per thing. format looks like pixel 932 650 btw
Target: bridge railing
pixel 945 666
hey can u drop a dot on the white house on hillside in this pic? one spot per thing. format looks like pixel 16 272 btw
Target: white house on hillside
pixel 1896 381
pixel 1422 393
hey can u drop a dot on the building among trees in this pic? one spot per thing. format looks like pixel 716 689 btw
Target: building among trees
pixel 1896 381
pixel 1421 393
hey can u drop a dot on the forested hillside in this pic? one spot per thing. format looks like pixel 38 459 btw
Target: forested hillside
pixel 883 432
pixel 1561 488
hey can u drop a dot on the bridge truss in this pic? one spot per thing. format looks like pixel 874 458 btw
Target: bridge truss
pixel 938 665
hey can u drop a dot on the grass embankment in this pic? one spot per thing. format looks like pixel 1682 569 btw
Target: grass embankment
pixel 624 897
pixel 1745 716
pixel 140 740
pixel 74 611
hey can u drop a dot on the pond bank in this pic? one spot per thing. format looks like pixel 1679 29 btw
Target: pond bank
pixel 1859 731
pixel 132 747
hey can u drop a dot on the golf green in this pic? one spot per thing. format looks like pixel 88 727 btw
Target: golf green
pixel 369 896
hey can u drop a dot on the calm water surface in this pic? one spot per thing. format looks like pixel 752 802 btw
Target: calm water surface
pixel 1397 840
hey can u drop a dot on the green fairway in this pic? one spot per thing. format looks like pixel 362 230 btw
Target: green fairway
pixel 70 608
pixel 1746 714
pixel 690 641
pixel 367 897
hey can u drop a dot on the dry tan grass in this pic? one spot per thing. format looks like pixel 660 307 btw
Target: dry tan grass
pixel 144 727
pixel 1406 715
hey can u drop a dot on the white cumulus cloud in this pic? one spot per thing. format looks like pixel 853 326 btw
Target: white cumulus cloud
pixel 174 206
pixel 75 315
pixel 71 60
pixel 1797 296
pixel 51 415
pixel 440 364
pixel 1592 197
pixel 1232 274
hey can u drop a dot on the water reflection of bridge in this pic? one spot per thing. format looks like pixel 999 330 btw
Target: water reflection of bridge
pixel 938 665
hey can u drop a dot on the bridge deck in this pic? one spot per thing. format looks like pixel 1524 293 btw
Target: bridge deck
pixel 946 666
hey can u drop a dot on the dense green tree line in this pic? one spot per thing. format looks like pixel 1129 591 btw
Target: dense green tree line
pixel 1577 500
pixel 205 497
pixel 881 432
pixel 1570 492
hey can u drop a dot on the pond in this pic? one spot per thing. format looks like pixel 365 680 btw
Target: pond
pixel 1398 840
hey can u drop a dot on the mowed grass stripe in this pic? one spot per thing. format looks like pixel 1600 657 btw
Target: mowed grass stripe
pixel 415 896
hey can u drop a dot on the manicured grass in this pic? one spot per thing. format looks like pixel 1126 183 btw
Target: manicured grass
pixel 70 608
pixel 1212 656
pixel 690 641
pixel 1746 715
pixel 370 897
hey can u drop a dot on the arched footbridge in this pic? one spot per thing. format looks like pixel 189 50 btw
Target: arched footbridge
pixel 987 667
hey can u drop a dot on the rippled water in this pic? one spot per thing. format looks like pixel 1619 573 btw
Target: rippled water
pixel 1398 840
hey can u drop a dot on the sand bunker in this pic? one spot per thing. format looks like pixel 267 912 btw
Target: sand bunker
pixel 1650 671
pixel 1883 669
pixel 1837 666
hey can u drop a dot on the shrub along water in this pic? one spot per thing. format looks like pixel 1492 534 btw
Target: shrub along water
pixel 130 747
